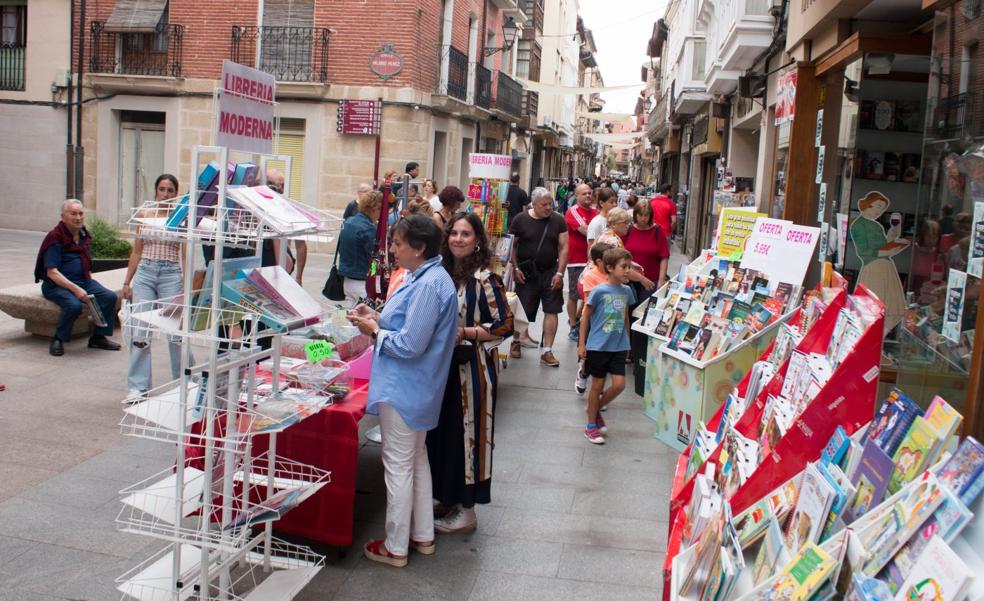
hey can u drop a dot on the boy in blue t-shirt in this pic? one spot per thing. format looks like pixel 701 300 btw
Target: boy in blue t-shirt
pixel 604 338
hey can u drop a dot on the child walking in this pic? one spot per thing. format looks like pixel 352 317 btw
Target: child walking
pixel 592 275
pixel 604 338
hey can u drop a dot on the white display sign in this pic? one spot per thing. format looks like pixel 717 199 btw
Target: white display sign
pixel 841 239
pixel 821 155
pixel 975 253
pixel 953 310
pixel 489 166
pixel 781 249
pixel 822 202
pixel 245 109
pixel 819 132
pixel 824 239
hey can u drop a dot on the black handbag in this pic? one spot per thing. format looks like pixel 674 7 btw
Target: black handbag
pixel 334 286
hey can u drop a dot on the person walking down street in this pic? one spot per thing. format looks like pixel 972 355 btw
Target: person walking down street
pixel 415 338
pixel 577 218
pixel 64 268
pixel 539 259
pixel 451 200
pixel 607 200
pixel 649 246
pixel 665 210
pixel 516 197
pixel 355 244
pixel 153 273
pixel 460 448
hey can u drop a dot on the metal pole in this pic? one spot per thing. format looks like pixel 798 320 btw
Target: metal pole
pixel 379 137
pixel 79 153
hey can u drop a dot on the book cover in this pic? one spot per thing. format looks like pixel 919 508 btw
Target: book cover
pixel 759 317
pixel 964 467
pixel 702 345
pixel 279 285
pixel 810 516
pixel 893 167
pixel 946 522
pixel 834 451
pixel 802 577
pixel 739 312
pixel 938 574
pixel 784 293
pixel 910 167
pixel 231 269
pixel 250 297
pixel 245 174
pixel 871 480
pixel 943 418
pixel 771 554
pixel 695 313
pixel 679 330
pixel 913 454
pixel 892 421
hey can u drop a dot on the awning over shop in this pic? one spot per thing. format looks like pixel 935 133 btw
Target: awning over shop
pixel 136 16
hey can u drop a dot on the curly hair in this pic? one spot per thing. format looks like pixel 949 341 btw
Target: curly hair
pixel 463 270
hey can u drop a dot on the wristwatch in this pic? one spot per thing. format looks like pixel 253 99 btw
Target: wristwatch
pixel 375 334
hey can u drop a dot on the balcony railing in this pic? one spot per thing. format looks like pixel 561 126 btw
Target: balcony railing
pixel 534 12
pixel 156 54
pixel 508 95
pixel 483 87
pixel 11 67
pixel 288 53
pixel 955 116
pixel 531 104
pixel 456 84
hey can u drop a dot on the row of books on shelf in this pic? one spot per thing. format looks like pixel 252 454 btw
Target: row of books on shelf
pixel 248 206
pixel 862 522
pixel 707 315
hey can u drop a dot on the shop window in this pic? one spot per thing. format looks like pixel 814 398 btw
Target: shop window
pixel 291 142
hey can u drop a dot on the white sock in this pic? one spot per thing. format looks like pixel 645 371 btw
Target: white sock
pixel 547 349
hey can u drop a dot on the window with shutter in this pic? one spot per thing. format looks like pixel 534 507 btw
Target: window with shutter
pixel 13 46
pixel 287 39
pixel 291 143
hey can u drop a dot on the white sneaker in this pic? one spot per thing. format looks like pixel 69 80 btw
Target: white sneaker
pixel 580 382
pixel 458 520
pixel 375 435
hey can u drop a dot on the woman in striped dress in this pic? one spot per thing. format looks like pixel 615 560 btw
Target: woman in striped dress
pixel 460 448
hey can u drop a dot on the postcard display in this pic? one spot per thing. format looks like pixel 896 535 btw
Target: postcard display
pixel 488 185
pixel 684 387
pixel 215 507
pixel 825 364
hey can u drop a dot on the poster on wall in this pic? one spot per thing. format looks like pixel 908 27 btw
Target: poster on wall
pixel 786 97
pixel 736 226
pixel 781 249
pixel 975 259
pixel 953 313
pixel 489 166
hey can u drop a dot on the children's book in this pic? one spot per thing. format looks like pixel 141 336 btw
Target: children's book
pixel 943 418
pixel 871 481
pixel 836 446
pixel 271 310
pixel 812 506
pixel 695 314
pixel 963 470
pixel 938 574
pixel 946 522
pixel 803 576
pixel 280 285
pixel 892 421
pixel 231 269
pixel 771 554
pixel 913 455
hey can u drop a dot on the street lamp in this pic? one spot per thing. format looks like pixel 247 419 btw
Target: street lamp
pixel 509 30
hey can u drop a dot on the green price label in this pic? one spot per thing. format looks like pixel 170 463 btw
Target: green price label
pixel 735 256
pixel 318 351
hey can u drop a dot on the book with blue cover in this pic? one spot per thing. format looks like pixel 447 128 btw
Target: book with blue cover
pixel 870 480
pixel 962 472
pixel 892 422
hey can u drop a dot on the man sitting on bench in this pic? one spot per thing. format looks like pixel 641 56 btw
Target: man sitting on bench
pixel 64 269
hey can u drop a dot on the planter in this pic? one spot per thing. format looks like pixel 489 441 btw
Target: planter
pixel 108 264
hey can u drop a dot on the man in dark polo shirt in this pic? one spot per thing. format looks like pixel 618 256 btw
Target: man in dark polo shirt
pixel 64 268
pixel 539 260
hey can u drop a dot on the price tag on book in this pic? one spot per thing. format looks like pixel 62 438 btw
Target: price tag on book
pixel 318 351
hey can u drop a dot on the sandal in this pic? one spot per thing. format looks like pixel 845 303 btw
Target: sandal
pixel 376 550
pixel 423 547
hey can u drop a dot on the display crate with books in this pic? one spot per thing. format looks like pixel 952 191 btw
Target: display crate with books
pixel 706 327
pixel 214 509
pixel 828 533
pixel 819 376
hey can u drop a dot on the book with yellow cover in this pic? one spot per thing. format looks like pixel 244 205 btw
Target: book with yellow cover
pixel 803 576
pixel 913 454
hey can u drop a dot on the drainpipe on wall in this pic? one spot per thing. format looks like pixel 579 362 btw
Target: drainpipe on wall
pixel 79 150
pixel 69 155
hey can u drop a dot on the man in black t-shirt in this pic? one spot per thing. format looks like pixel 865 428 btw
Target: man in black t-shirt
pixel 539 259
pixel 516 198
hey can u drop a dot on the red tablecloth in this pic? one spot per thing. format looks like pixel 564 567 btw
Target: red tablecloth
pixel 330 441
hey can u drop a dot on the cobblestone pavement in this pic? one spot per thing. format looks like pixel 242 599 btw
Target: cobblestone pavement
pixel 567 518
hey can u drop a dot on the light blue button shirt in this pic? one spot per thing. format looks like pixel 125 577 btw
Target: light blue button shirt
pixel 418 328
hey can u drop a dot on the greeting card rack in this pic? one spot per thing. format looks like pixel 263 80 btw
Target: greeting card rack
pixel 215 507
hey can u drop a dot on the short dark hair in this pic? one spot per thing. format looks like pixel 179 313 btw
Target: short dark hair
pixel 598 250
pixel 613 257
pixel 411 166
pixel 514 178
pixel 168 177
pixel 421 233
pixel 451 195
pixel 666 188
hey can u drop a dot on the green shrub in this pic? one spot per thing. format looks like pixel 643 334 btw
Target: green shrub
pixel 106 241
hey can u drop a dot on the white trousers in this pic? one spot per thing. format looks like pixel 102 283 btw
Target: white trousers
pixel 409 505
pixel 354 290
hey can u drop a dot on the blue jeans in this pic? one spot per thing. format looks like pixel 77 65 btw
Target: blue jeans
pixel 71 307
pixel 154 280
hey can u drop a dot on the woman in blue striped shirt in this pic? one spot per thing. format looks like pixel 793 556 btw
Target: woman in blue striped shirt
pixel 415 337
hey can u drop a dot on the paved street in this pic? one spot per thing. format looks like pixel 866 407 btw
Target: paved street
pixel 567 518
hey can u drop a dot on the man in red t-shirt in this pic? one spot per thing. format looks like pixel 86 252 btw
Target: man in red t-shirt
pixel 664 209
pixel 578 217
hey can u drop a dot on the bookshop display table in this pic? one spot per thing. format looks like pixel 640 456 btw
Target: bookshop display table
pixel 328 440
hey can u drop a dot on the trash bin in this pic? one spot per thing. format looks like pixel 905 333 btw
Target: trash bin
pixel 639 344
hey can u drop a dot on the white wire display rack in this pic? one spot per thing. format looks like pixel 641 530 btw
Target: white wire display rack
pixel 216 505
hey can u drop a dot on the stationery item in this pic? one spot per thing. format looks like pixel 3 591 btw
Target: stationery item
pixel 95 312
pixel 279 284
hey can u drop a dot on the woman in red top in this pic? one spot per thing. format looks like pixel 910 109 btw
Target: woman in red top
pixel 649 246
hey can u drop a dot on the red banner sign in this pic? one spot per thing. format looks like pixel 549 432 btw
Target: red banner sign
pixel 359 117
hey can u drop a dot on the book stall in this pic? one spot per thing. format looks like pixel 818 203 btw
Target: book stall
pixel 214 510
pixel 707 326
pixel 793 491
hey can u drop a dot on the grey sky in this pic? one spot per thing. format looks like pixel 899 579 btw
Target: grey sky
pixel 621 29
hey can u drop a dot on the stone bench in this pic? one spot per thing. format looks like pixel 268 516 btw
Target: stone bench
pixel 40 315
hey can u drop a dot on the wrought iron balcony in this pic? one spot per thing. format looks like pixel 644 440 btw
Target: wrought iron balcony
pixel 483 87
pixel 956 116
pixel 288 53
pixel 157 53
pixel 11 67
pixel 508 95
pixel 456 83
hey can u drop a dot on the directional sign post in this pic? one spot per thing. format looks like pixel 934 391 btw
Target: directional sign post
pixel 360 117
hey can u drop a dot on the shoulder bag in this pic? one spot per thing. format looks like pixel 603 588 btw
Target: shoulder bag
pixel 334 286
pixel 528 266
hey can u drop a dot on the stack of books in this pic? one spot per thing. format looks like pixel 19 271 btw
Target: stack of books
pixel 707 315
